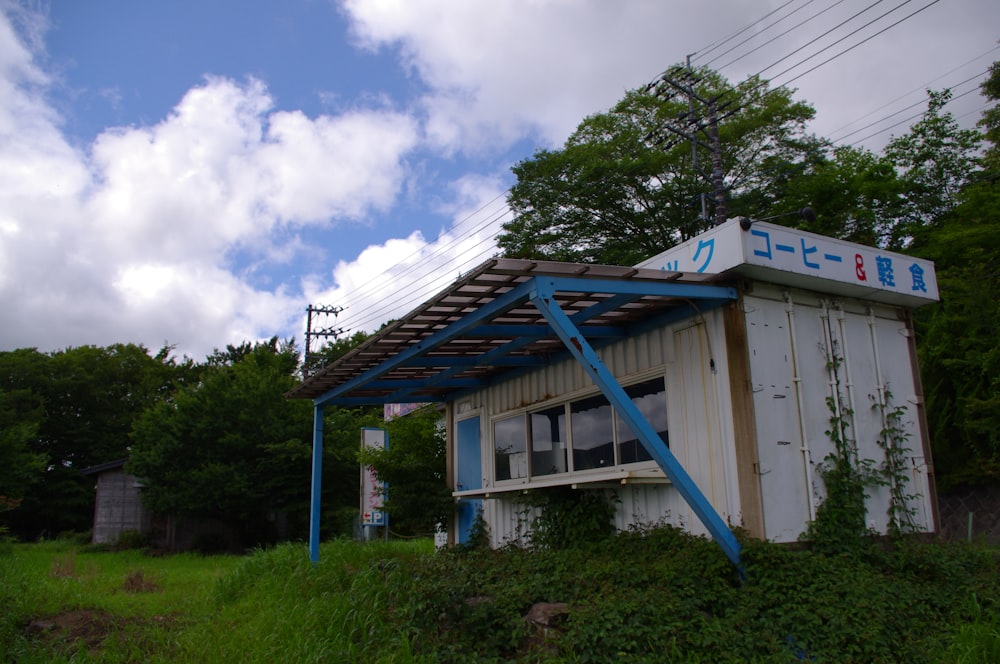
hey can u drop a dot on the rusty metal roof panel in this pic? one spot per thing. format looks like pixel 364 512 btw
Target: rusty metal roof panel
pixel 476 331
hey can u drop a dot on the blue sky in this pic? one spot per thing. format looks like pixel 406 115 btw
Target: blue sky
pixel 196 173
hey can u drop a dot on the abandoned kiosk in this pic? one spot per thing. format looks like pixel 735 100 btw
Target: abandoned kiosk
pixel 699 386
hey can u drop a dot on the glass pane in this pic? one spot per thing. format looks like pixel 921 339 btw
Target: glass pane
pixel 651 398
pixel 593 443
pixel 548 441
pixel 510 448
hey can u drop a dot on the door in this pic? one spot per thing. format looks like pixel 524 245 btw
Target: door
pixel 469 453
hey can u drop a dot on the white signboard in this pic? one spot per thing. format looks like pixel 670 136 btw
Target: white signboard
pixel 799 258
pixel 371 487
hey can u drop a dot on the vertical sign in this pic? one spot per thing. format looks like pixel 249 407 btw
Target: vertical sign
pixel 371 488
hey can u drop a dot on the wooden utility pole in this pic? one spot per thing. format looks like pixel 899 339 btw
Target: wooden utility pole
pixel 311 362
pixel 699 126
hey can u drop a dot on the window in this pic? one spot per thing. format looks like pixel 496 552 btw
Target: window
pixel 548 441
pixel 651 398
pixel 585 434
pixel 509 438
pixel 593 437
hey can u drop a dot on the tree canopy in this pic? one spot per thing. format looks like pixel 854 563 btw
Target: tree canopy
pixel 611 195
pixel 61 412
pixel 231 446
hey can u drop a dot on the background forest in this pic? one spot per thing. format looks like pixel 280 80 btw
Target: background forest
pixel 217 438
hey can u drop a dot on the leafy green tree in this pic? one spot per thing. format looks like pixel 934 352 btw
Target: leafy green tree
pixel 936 160
pixel 413 466
pixel 231 446
pixel 610 195
pixel 958 344
pixel 73 409
pixel 854 193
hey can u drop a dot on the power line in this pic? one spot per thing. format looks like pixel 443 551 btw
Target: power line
pixel 776 37
pixel 419 279
pixel 751 37
pixel 920 88
pixel 834 28
pixel 416 284
pixel 711 47
pixel 854 46
pixel 367 288
pixel 906 108
pixel 909 119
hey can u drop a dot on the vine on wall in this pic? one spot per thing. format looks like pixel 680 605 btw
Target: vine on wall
pixel 841 520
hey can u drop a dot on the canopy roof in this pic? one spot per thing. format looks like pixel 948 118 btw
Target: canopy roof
pixel 486 327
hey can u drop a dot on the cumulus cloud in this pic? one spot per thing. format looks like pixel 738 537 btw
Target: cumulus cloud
pixel 388 280
pixel 127 239
pixel 498 70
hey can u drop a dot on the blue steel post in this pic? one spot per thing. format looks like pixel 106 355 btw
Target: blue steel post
pixel 543 298
pixel 317 484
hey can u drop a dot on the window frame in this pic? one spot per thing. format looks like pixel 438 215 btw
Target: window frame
pixel 572 474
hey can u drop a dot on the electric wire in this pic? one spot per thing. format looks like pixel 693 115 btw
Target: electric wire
pixel 854 46
pixel 367 289
pixel 416 290
pixel 417 281
pixel 711 47
pixel 375 287
pixel 763 30
pixel 833 29
pixel 920 88
pixel 906 120
pixel 920 102
pixel 778 36
pixel 764 83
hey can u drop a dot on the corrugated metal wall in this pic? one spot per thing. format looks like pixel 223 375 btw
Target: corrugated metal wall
pixel 117 507
pixel 691 355
pixel 805 350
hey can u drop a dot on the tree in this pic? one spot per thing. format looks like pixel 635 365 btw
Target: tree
pixel 854 193
pixel 958 345
pixel 73 409
pixel 231 446
pixel 413 466
pixel 611 196
pixel 936 160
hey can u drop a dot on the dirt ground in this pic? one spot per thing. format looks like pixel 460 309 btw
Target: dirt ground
pixel 84 630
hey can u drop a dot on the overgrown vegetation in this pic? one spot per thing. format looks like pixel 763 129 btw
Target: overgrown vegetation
pixel 561 517
pixel 649 595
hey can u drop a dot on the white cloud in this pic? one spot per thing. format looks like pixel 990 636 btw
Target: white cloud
pixel 388 280
pixel 128 242
pixel 498 70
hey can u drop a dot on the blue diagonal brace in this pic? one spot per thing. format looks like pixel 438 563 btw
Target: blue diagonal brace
pixel 543 298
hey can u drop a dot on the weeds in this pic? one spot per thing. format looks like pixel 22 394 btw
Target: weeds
pixel 648 595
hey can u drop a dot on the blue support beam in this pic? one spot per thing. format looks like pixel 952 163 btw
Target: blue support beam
pixel 543 298
pixel 317 484
pixel 505 302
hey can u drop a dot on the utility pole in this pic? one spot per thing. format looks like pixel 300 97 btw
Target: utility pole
pixel 310 362
pixel 699 126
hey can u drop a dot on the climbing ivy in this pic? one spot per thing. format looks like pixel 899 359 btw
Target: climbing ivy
pixel 840 522
pixel 893 440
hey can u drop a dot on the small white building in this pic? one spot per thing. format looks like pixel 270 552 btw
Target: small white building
pixel 699 386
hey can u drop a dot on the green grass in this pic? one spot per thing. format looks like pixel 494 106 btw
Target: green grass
pixel 656 596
